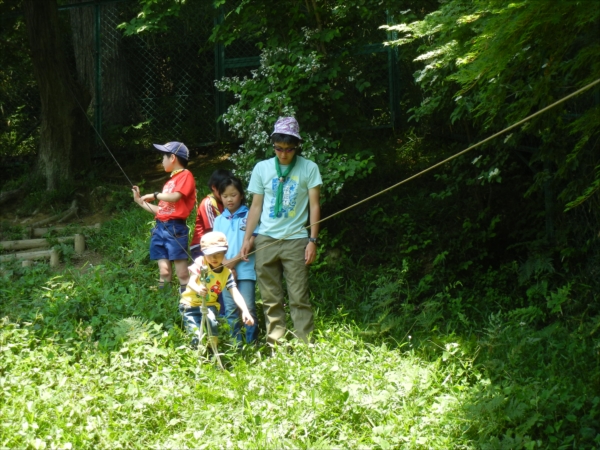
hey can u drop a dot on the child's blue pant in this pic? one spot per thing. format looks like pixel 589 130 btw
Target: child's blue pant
pixel 232 313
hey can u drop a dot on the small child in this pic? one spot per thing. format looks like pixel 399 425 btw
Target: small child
pixel 209 208
pixel 169 241
pixel 213 246
pixel 233 224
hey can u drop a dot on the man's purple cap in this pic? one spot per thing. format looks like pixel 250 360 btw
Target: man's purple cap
pixel 287 125
pixel 177 148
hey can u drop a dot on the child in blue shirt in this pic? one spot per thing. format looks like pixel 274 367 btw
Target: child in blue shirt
pixel 232 223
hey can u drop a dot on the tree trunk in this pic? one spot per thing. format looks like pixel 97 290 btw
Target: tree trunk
pixel 111 82
pixel 65 131
pixel 82 31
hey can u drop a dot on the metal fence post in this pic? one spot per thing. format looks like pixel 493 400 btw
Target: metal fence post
pixel 98 83
pixel 393 75
pixel 219 73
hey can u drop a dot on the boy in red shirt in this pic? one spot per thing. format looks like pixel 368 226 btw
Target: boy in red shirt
pixel 169 239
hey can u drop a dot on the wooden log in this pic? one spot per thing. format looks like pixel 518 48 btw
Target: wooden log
pixel 79 244
pixel 51 254
pixel 70 213
pixel 25 244
pixel 26 263
pixel 39 232
pixel 9 195
pixel 54 258
pixel 58 217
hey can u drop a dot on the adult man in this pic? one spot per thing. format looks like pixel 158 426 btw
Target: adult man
pixel 286 192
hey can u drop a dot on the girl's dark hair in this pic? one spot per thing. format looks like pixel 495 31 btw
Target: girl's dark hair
pixel 236 183
pixel 217 177
pixel 286 139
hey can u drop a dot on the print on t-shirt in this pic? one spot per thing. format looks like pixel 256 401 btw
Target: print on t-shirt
pixel 167 208
pixel 288 201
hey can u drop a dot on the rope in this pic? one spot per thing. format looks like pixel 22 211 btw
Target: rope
pixel 383 191
pixel 99 135
pixel 429 169
pixel 123 171
pixel 461 152
pixel 204 308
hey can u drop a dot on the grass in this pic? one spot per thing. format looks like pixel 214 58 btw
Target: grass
pixel 154 393
pixel 95 358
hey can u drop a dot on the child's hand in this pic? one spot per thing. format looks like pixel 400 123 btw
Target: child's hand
pixel 198 288
pixel 201 290
pixel 247 318
pixel 136 193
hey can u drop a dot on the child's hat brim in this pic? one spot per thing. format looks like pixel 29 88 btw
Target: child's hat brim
pixel 213 250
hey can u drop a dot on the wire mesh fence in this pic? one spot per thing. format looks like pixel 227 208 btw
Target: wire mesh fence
pixel 158 86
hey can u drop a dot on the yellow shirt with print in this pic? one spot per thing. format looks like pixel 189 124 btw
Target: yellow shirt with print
pixel 215 283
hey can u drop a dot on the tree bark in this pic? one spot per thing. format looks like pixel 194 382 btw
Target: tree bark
pixel 82 31
pixel 65 132
pixel 112 79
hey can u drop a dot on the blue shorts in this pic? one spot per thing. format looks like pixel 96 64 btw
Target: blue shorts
pixel 169 240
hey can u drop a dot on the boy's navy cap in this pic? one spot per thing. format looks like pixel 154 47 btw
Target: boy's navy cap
pixel 177 148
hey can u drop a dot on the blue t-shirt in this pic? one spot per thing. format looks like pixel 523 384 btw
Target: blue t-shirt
pixel 294 206
pixel 234 228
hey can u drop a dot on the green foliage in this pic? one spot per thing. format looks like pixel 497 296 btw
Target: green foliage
pixel 19 99
pixel 10 231
pixel 493 62
pixel 526 384
pixel 313 69
pixel 152 16
pixel 448 313
pixel 95 357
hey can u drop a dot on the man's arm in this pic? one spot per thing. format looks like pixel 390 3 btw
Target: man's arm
pixel 251 223
pixel 314 215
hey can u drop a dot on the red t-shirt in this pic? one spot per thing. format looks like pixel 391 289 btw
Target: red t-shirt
pixel 208 209
pixel 182 182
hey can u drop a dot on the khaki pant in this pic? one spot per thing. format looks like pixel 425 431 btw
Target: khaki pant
pixel 284 259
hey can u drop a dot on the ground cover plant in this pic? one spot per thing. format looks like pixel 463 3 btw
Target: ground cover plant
pixel 96 358
pixel 460 310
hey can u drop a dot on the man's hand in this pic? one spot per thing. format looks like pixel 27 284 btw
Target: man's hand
pixel 310 253
pixel 246 248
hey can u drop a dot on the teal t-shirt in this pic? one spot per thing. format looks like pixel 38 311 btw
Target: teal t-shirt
pixel 294 209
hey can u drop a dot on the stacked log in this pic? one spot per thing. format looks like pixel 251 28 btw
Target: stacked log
pixel 36 249
pixel 39 232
